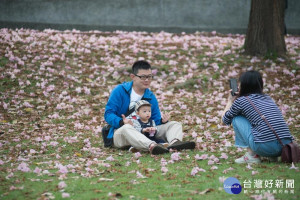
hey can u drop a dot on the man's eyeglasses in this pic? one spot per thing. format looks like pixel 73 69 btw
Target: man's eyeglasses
pixel 144 77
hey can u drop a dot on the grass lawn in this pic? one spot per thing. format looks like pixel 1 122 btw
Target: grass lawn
pixel 53 90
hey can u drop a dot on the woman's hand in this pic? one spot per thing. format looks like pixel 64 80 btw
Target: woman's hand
pixel 230 97
pixel 230 101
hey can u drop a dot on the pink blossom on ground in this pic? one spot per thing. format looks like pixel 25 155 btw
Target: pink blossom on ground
pixel 62 185
pixel 78 126
pixel 106 165
pixel 32 151
pixel 5 105
pixel 194 134
pixel 87 91
pixel 226 170
pixel 249 166
pixel 163 162
pixel 10 175
pixel 202 157
pixel 53 143
pixel 257 197
pixel 65 195
pixel 222 179
pixel 12 188
pixel 195 170
pixel 63 169
pixel 175 156
pixel 211 162
pixel 28 105
pixel 214 167
pixel 37 170
pixel 110 158
pixel 164 170
pixel 254 172
pixel 98 129
pixel 23 167
pixel 139 175
pixel 78 89
pixel 1 162
pixel 224 155
pixel 266 195
pixel 137 155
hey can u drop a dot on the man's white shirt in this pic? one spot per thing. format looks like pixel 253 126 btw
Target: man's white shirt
pixel 134 98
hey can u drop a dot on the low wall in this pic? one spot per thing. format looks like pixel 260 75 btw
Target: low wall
pixel 226 16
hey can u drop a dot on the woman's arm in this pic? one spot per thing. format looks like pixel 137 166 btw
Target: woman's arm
pixel 230 101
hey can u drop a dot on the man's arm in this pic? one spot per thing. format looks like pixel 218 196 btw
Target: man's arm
pixel 113 105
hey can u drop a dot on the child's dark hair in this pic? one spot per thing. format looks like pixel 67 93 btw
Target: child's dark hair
pixel 251 82
pixel 141 64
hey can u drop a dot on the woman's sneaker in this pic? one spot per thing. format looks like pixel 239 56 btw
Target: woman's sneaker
pixel 247 158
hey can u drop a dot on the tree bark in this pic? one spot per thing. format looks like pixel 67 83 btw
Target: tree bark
pixel 266 28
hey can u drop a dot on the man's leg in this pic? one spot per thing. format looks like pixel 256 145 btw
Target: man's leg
pixel 127 135
pixel 172 133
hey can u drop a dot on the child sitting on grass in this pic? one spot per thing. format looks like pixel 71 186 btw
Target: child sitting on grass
pixel 144 123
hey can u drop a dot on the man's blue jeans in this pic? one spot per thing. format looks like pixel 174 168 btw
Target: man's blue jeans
pixel 244 139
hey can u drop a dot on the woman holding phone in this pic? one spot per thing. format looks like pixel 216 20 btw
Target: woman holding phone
pixel 251 130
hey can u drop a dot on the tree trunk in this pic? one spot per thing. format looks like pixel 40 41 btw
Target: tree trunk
pixel 266 28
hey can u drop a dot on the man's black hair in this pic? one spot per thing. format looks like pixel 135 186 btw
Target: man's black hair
pixel 141 64
pixel 251 83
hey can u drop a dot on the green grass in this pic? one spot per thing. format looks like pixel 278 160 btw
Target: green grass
pixel 122 181
pixel 3 61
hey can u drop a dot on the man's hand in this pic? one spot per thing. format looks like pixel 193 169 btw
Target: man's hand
pixel 165 117
pixel 127 121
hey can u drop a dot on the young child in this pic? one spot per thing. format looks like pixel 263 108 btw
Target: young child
pixel 144 124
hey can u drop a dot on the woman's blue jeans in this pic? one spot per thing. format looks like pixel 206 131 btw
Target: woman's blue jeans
pixel 244 139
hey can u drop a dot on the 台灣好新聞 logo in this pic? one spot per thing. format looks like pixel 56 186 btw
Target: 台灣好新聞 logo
pixel 232 186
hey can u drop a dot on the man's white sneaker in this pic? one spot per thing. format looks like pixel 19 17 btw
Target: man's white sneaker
pixel 247 158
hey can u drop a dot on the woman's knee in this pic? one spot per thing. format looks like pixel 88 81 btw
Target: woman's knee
pixel 239 120
pixel 241 124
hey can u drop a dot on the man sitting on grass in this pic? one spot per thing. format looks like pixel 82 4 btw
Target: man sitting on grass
pixel 123 99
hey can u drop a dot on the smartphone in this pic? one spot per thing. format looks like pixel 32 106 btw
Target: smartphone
pixel 233 86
